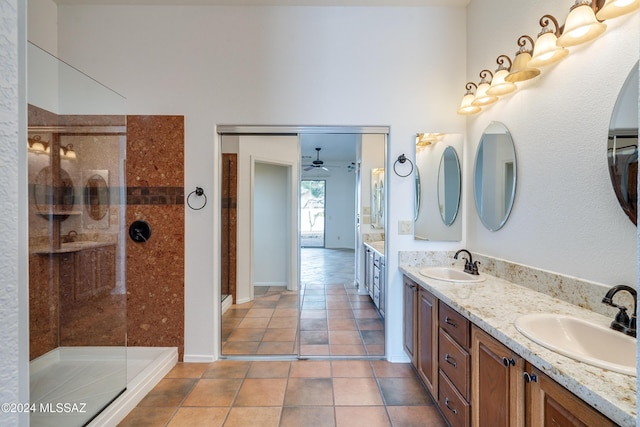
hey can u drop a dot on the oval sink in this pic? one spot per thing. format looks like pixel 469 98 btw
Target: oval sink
pixel 581 340
pixel 449 274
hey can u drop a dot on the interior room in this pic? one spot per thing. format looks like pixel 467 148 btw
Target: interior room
pixel 493 215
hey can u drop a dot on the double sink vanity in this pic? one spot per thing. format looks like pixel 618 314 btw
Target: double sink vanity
pixel 489 350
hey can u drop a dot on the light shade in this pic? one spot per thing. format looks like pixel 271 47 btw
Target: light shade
pixel 499 86
pixel 614 8
pixel 465 106
pixel 482 98
pixel 546 51
pixel 581 25
pixel 520 70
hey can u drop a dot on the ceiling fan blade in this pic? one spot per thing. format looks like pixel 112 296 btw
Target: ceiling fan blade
pixel 325 168
pixel 308 168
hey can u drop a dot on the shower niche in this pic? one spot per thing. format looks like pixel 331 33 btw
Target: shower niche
pixel 77 293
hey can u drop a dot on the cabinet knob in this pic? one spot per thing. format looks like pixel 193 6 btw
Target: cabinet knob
pixel 530 378
pixel 508 362
pixel 446 403
pixel 450 322
pixel 450 360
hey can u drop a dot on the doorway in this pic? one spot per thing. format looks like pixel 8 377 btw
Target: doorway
pixel 297 316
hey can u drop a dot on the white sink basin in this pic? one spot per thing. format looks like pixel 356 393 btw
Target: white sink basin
pixel 451 275
pixel 581 340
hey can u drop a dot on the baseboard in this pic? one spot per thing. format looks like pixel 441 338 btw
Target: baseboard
pixel 226 303
pixel 199 358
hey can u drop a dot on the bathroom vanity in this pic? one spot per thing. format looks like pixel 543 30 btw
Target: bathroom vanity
pixel 374 273
pixel 480 369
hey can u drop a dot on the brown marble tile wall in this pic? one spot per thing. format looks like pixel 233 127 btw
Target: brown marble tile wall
pixel 229 222
pixel 155 269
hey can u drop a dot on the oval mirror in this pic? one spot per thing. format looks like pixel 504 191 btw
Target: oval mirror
pixel 449 186
pixel 494 177
pixel 622 146
pixel 53 195
pixel 417 195
pixel 96 197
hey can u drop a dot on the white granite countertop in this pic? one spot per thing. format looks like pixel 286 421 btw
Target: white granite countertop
pixel 376 246
pixel 494 304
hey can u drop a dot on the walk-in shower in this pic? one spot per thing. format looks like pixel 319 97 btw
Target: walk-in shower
pixel 77 299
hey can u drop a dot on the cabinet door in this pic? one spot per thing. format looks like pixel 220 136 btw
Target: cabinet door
pixel 106 279
pixel 410 318
pixel 550 404
pixel 85 284
pixel 496 381
pixel 428 341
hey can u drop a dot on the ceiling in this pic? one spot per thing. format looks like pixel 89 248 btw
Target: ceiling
pixel 336 149
pixel 364 3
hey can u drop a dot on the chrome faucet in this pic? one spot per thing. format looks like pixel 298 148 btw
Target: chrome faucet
pixel 470 266
pixel 622 321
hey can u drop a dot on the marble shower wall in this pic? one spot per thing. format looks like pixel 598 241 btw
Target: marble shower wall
pixel 155 194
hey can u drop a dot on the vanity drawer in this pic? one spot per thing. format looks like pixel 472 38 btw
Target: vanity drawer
pixel 455 362
pixel 455 324
pixel 454 408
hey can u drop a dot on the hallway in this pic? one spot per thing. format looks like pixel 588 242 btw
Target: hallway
pixel 334 319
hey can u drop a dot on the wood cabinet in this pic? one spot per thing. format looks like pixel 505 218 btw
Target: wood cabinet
pixel 374 283
pixel 497 383
pixel 427 336
pixel 410 329
pixel 550 404
pixel 87 272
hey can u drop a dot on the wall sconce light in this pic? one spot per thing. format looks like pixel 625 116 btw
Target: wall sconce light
pixel 482 98
pixel 37 145
pixel 546 51
pixel 581 25
pixel 614 8
pixel 425 139
pixel 520 70
pixel 465 106
pixel 499 86
pixel 67 152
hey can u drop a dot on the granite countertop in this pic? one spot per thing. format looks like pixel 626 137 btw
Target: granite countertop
pixel 70 247
pixel 494 304
pixel 376 246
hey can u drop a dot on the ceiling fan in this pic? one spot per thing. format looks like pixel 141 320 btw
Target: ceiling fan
pixel 316 163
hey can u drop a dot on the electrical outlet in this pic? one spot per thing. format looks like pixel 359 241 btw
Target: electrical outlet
pixel 405 227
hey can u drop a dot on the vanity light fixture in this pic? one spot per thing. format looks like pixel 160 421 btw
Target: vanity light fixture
pixel 520 70
pixel 67 152
pixel 614 8
pixel 499 86
pixel 37 145
pixel 581 25
pixel 546 51
pixel 425 139
pixel 482 98
pixel 466 106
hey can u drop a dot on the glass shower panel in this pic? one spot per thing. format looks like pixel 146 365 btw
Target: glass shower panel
pixel 77 292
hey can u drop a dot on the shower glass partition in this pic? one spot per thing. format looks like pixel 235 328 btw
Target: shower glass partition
pixel 77 296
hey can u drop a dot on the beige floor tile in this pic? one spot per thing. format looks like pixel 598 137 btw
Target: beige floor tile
pixel 227 369
pixel 169 392
pixel 187 370
pixel 315 349
pixel 250 417
pixel 416 416
pixel 260 312
pixel 347 350
pixel 362 416
pixel 280 334
pixel 351 368
pixel 309 392
pixel 385 369
pixel 375 349
pixel 213 392
pixel 340 314
pixel 338 305
pixel 277 347
pixel 148 417
pixel 275 369
pixel 344 337
pixel 315 416
pixel 240 347
pixel 254 322
pixel 283 323
pixel 366 314
pixel 356 392
pixel 246 334
pixel 313 314
pixel 285 312
pixel 342 325
pixel 310 369
pixel 261 392
pixel 196 417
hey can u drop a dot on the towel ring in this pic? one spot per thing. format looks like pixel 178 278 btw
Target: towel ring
pixel 199 192
pixel 402 159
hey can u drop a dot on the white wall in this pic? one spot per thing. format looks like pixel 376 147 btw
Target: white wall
pixel 281 65
pixel 14 297
pixel 566 217
pixel 43 25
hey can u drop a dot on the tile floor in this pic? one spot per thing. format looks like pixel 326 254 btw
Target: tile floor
pixel 334 319
pixel 301 393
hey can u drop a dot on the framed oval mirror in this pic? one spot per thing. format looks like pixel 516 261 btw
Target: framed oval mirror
pixel 449 186
pixel 622 146
pixel 417 196
pixel 53 195
pixel 494 177
pixel 96 196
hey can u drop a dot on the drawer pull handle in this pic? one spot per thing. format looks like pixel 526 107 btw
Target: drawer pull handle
pixel 508 362
pixel 450 322
pixel 446 403
pixel 529 378
pixel 450 360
